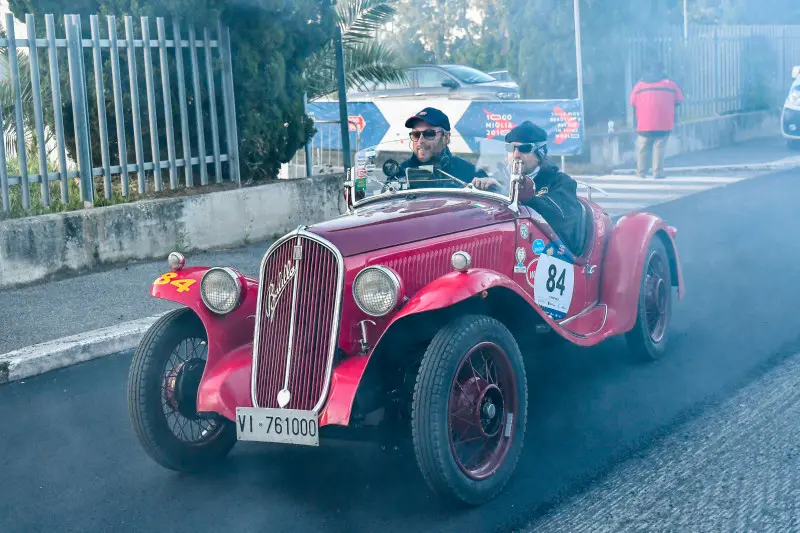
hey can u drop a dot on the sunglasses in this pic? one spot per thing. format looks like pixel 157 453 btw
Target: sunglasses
pixel 525 148
pixel 428 134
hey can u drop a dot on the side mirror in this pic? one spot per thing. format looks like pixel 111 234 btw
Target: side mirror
pixel 449 83
pixel 796 71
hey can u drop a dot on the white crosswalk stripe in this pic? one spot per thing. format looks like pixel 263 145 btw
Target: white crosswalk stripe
pixel 629 193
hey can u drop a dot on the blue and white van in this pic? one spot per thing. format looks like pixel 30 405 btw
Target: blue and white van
pixel 790 118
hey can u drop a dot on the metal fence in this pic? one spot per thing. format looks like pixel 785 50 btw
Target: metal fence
pixel 324 149
pixel 107 127
pixel 720 69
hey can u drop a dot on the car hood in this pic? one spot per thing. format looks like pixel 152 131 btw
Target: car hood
pixel 407 219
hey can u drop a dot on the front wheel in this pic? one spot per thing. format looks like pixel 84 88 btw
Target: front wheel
pixel 648 338
pixel 470 410
pixel 162 396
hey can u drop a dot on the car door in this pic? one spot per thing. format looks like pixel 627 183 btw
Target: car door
pixel 546 270
pixel 429 83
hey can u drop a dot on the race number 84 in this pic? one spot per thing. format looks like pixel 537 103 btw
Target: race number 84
pixel 553 283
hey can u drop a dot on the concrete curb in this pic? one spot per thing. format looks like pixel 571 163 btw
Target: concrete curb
pixel 68 351
pixel 783 164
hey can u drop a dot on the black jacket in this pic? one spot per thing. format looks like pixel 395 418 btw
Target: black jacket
pixel 554 195
pixel 447 162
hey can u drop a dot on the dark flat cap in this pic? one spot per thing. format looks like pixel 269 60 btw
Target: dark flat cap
pixel 527 132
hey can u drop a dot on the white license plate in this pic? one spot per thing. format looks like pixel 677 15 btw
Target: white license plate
pixel 288 426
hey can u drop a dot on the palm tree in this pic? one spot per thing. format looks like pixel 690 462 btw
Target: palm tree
pixel 365 60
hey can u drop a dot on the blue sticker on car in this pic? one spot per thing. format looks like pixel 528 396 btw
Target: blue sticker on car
pixel 538 246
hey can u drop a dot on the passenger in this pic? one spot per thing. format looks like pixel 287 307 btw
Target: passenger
pixel 546 189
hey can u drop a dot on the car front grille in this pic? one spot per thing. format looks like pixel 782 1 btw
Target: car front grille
pixel 297 322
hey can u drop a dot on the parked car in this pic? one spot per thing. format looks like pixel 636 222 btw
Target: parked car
pixel 790 118
pixel 457 82
pixel 410 312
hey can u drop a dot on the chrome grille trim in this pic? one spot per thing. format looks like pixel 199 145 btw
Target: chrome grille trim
pixel 335 322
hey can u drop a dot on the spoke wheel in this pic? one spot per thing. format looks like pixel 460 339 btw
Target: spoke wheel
pixel 162 396
pixel 469 410
pixel 648 338
pixel 483 393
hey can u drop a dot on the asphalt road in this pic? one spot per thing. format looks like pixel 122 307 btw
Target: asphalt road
pixel 69 460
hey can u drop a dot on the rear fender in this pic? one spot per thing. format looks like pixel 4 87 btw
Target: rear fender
pixel 230 338
pixel 624 261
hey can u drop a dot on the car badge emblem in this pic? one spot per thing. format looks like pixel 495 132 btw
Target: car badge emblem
pixel 276 288
pixel 523 231
pixel 284 396
pixel 520 255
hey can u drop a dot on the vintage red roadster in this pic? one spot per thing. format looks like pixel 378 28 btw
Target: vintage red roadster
pixel 413 308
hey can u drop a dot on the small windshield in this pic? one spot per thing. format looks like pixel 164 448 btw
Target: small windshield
pixel 385 168
pixel 468 74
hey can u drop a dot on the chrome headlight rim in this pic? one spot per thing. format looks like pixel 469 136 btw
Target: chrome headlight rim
pixel 235 276
pixel 395 279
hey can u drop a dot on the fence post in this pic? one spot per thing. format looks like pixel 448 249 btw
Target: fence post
pixel 20 125
pixel 37 108
pixel 307 146
pixel 629 85
pixel 80 107
pixel 343 116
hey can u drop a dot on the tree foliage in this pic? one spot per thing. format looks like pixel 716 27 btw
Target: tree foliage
pixel 365 59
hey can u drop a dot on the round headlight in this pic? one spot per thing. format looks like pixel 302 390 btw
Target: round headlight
pixel 221 290
pixel 376 290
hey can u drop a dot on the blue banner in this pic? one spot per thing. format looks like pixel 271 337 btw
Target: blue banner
pixel 364 116
pixel 383 121
pixel 561 119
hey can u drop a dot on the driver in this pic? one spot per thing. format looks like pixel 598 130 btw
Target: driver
pixel 544 188
pixel 430 135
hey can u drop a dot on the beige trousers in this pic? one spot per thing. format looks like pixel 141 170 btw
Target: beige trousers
pixel 644 146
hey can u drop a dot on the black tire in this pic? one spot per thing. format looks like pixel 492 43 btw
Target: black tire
pixel 432 399
pixel 146 404
pixel 646 341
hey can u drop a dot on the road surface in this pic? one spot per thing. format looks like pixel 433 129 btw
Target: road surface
pixel 70 461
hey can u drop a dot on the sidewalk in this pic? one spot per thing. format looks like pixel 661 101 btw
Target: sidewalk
pixel 57 309
pixel 760 151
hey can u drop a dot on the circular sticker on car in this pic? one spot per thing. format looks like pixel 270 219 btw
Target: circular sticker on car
pixel 538 246
pixel 523 231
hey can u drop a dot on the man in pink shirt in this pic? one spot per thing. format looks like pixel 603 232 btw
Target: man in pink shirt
pixel 654 100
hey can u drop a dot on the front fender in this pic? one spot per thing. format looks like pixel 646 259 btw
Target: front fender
pixel 230 338
pixel 624 262
pixel 442 292
pixel 456 287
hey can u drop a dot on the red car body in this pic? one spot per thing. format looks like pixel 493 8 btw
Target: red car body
pixel 416 238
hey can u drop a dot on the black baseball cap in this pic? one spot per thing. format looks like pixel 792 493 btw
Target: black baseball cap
pixel 527 132
pixel 432 116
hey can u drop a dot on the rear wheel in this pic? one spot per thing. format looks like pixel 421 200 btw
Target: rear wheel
pixel 648 338
pixel 470 410
pixel 162 396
